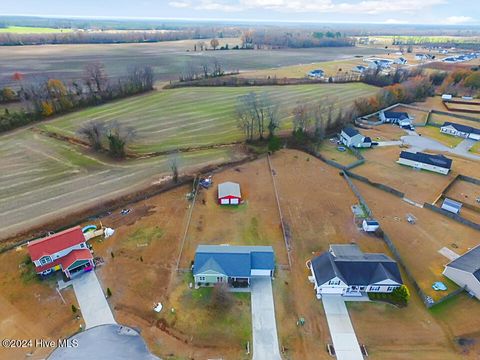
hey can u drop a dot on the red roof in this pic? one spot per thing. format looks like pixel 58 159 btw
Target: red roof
pixel 68 260
pixel 55 243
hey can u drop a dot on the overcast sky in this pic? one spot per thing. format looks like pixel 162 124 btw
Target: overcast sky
pixel 440 12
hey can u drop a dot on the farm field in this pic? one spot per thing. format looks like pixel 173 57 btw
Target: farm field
pixel 44 179
pixel 420 186
pixel 435 103
pixel 434 133
pixel 192 117
pixel 32 30
pixel 168 59
pixel 439 119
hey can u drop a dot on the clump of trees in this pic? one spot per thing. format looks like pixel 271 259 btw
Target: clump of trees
pixel 462 82
pixel 257 116
pixel 378 78
pixel 48 97
pixel 208 69
pixel 112 137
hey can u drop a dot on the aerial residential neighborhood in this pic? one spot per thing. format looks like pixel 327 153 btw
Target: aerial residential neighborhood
pixel 240 180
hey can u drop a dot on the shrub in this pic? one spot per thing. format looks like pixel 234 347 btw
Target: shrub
pixel 109 292
pixel 274 144
pixel 401 295
pixel 221 298
pixel 74 309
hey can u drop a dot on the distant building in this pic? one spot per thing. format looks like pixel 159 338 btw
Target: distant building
pixel 459 130
pixel 396 117
pixel 66 251
pixel 451 206
pixel 232 265
pixel 419 160
pixel 400 61
pixel 351 137
pixel 446 97
pixel 465 271
pixel 229 193
pixel 316 74
pixel 346 270
pixel 359 68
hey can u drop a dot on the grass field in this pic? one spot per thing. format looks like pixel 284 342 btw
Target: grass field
pixel 168 59
pixel 32 30
pixel 476 148
pixel 434 133
pixel 189 117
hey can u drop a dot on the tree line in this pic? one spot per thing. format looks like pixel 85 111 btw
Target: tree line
pixel 460 82
pixel 47 97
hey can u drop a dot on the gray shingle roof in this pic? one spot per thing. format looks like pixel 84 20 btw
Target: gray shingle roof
pixel 462 128
pixel 396 115
pixel 229 189
pixel 233 261
pixel 469 262
pixel 350 131
pixel 452 203
pixel 436 160
pixel 354 267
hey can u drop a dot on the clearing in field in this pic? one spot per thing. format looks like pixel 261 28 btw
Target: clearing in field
pixel 192 117
pixel 32 30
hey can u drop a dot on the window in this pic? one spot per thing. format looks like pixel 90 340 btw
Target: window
pixel 374 288
pixel 201 278
pixel 391 288
pixel 82 245
pixel 219 279
pixel 45 260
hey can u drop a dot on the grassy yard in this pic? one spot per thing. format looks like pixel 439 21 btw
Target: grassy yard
pixel 192 117
pixel 434 133
pixel 330 152
pixel 32 30
pixel 476 148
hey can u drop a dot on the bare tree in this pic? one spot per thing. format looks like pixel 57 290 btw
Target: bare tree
pixel 301 118
pixel 217 68
pixel 319 119
pixel 214 43
pixel 95 78
pixel 273 115
pixel 173 162
pixel 253 112
pixel 221 299
pixel 118 137
pixel 93 131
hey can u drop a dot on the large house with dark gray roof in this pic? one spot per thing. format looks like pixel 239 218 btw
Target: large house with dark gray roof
pixel 460 130
pixel 351 137
pixel 465 271
pixel 346 270
pixel 396 117
pixel 234 265
pixel 420 160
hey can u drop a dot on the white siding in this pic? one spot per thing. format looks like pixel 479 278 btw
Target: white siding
pixel 463 278
pixel 255 272
pixel 419 165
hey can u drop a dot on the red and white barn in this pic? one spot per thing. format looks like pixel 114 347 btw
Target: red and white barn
pixel 229 193
pixel 66 251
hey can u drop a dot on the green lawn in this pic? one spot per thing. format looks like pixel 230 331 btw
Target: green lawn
pixel 31 30
pixel 476 148
pixel 192 117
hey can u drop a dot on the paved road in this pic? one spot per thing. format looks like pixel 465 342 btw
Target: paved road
pixel 265 339
pixel 105 342
pixel 421 143
pixel 93 305
pixel 389 143
pixel 344 339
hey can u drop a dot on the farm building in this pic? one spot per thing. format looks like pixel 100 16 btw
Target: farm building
pixel 316 74
pixel 459 130
pixel 229 193
pixel 395 117
pixel 359 68
pixel 370 225
pixel 66 251
pixel 419 160
pixel 233 265
pixel 465 271
pixel 446 97
pixel 451 206
pixel 400 61
pixel 347 271
pixel 351 137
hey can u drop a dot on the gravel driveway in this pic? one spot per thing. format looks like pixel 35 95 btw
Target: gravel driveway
pixel 93 305
pixel 265 339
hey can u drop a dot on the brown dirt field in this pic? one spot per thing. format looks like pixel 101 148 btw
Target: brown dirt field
pixel 420 186
pixel 420 117
pixel 465 192
pixel 419 244
pixel 30 308
pixel 464 107
pixel 385 132
pixel 256 222
pixel 435 103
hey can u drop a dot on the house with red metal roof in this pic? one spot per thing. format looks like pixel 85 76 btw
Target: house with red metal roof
pixel 66 251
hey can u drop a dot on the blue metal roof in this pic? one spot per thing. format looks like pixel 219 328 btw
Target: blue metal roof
pixel 233 261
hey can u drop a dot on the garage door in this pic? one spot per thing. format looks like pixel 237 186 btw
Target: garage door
pixel 255 272
pixel 224 201
pixel 234 201
pixel 332 291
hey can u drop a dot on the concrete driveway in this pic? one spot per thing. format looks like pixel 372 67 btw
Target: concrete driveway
pixel 341 330
pixel 265 339
pixel 421 143
pixel 93 305
pixel 389 143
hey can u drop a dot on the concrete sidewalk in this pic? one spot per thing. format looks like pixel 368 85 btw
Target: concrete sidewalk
pixel 341 330
pixel 93 304
pixel 265 338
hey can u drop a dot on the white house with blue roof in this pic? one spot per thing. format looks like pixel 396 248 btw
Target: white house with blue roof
pixel 234 265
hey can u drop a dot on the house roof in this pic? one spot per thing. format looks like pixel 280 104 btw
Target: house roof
pixel 367 139
pixel 436 160
pixel 354 267
pixel 469 262
pixel 233 261
pixel 452 203
pixel 396 115
pixel 316 71
pixel 68 260
pixel 462 128
pixel 55 243
pixel 229 189
pixel 350 131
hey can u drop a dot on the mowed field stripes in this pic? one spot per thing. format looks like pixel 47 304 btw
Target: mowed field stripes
pixel 192 117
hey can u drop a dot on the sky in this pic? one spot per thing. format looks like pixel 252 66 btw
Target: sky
pixel 438 12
